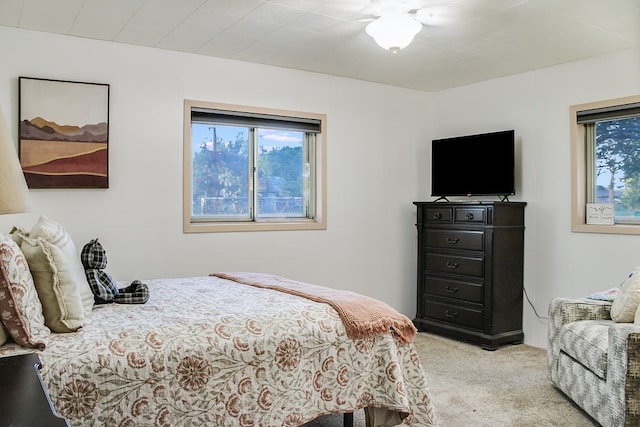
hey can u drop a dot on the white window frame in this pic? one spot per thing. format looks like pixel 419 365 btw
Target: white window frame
pixel 319 220
pixel 579 175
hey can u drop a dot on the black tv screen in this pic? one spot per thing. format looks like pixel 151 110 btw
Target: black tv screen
pixel 473 165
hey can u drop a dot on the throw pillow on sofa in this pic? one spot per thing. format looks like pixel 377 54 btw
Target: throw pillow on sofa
pixel 626 303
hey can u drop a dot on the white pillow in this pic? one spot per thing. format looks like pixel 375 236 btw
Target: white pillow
pixel 626 303
pixel 636 320
pixel 54 233
pixel 57 290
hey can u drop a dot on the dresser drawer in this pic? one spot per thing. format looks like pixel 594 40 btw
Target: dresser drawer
pixel 473 215
pixel 455 239
pixel 468 266
pixel 464 291
pixel 463 316
pixel 438 215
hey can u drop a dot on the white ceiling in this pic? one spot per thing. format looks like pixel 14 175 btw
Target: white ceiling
pixel 466 41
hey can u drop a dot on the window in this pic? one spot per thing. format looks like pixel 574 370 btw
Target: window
pixel 249 168
pixel 606 163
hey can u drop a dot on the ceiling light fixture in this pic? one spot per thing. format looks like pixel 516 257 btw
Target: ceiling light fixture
pixel 394 32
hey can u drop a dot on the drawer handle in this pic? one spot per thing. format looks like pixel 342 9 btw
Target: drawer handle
pixel 437 215
pixel 451 315
pixel 452 290
pixel 452 265
pixel 468 216
pixel 452 240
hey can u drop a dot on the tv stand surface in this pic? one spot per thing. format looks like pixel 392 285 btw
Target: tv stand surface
pixel 502 198
pixel 471 202
pixel 444 198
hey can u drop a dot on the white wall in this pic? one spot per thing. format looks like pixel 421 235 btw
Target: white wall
pixel 376 137
pixel 536 104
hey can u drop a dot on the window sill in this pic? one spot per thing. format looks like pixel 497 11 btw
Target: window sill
pixel 606 229
pixel 223 227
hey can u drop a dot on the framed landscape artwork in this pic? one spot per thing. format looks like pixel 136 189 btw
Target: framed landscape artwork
pixel 64 133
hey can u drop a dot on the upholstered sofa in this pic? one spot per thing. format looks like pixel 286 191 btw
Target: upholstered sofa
pixel 594 360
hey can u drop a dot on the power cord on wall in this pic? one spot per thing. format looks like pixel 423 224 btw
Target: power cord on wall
pixel 532 306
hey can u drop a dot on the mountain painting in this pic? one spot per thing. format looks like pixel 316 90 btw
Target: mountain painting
pixel 64 133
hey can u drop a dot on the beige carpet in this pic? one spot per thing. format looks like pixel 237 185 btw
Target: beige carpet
pixel 475 387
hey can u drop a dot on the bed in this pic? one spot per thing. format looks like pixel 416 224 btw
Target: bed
pixel 242 349
pixel 211 351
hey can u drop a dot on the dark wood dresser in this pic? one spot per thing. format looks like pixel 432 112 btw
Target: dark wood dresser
pixel 470 271
pixel 24 401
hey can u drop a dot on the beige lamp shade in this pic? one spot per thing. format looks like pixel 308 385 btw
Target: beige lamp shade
pixel 14 195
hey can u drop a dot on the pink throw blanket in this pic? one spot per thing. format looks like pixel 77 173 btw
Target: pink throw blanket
pixel 362 316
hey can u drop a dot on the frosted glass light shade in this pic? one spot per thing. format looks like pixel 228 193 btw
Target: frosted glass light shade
pixel 14 195
pixel 394 32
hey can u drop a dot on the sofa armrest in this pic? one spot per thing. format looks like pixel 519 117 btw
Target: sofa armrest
pixel 567 310
pixel 623 372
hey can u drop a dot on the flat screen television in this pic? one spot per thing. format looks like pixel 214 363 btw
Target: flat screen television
pixel 473 165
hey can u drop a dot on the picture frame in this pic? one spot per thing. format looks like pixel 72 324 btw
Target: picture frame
pixel 600 213
pixel 64 133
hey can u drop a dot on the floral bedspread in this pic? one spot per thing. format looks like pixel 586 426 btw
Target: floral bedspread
pixel 207 351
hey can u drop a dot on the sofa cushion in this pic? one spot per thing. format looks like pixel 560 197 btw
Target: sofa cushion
pixel 587 341
pixel 625 304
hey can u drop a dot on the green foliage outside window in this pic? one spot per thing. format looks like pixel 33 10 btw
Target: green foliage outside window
pixel 617 147
pixel 221 172
pixel 221 175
